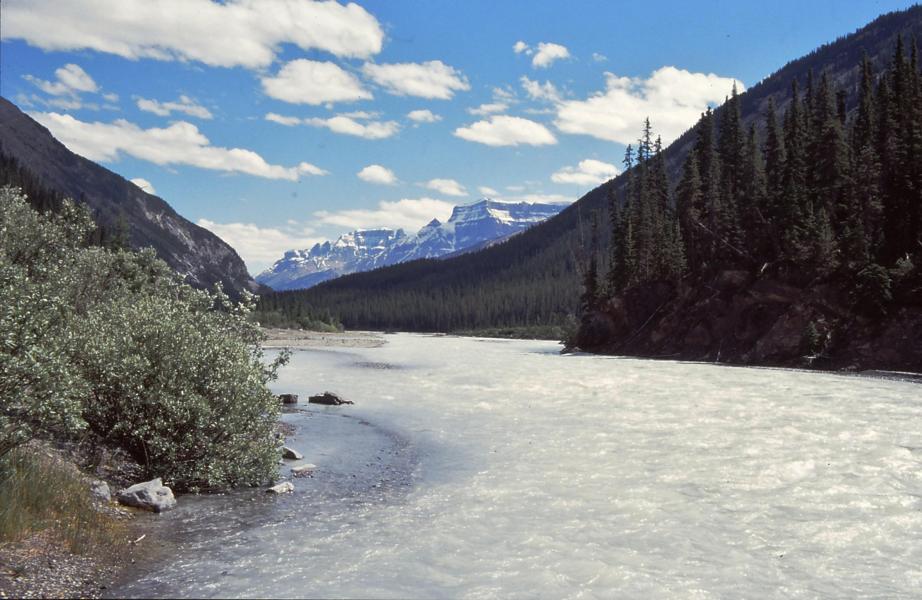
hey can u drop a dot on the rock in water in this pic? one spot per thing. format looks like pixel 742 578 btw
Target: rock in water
pixel 291 454
pixel 304 469
pixel 282 488
pixel 149 495
pixel 288 398
pixel 329 399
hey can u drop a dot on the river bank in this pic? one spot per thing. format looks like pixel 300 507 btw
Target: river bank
pixel 277 338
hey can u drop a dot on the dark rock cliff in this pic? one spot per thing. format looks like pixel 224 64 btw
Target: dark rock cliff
pixel 767 319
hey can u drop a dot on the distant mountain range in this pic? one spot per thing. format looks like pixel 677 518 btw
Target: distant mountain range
pixel 189 249
pixel 470 227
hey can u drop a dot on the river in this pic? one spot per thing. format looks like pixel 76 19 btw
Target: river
pixel 473 468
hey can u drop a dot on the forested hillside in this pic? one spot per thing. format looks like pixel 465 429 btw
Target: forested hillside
pixel 534 278
pixel 800 245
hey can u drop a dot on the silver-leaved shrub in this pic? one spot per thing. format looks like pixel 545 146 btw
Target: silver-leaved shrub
pixel 114 342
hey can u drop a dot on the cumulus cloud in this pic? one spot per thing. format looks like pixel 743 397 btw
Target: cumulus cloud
pixel 371 130
pixel 247 33
pixel 672 98
pixel 432 79
pixel 547 53
pixel 179 144
pixel 544 55
pixel 377 174
pixel 185 105
pixel 540 91
pixel 589 172
pixel 70 80
pixel 423 116
pixel 503 130
pixel 304 81
pixel 449 187
pixel 488 109
pixel 487 191
pixel 408 214
pixel 599 57
pixel 260 247
pixel 144 185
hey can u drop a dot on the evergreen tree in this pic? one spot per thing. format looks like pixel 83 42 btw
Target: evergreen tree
pixel 590 297
pixel 794 212
pixel 730 145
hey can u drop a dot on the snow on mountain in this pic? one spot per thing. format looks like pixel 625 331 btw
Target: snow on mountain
pixel 470 227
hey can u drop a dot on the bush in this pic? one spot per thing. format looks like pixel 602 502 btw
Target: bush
pixel 40 391
pixel 174 386
pixel 114 340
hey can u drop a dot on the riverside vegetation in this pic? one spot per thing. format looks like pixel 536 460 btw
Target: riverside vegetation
pixel 108 347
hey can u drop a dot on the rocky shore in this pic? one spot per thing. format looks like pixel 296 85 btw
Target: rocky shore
pixel 299 338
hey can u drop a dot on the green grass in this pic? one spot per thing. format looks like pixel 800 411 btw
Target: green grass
pixel 40 492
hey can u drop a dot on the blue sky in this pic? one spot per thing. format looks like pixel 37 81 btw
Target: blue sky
pixel 278 123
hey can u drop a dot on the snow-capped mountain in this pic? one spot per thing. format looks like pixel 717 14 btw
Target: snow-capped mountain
pixel 470 227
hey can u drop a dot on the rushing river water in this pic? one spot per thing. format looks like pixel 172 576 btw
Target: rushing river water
pixel 495 469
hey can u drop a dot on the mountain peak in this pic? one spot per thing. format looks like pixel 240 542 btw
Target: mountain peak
pixel 470 227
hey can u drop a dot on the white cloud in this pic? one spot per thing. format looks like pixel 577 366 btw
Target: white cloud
pixel 305 81
pixel 423 116
pixel 408 214
pixel 246 33
pixel 449 187
pixel 541 198
pixel 360 114
pixel 503 130
pixel 599 57
pixel 345 123
pixel 520 47
pixel 144 185
pixel 432 79
pixel 589 172
pixel 185 105
pixel 69 80
pixel 179 144
pixel 489 108
pixel 540 91
pixel 547 53
pixel 503 94
pixel 110 97
pixel 377 174
pixel 282 119
pixel 487 191
pixel 672 98
pixel 260 247
pixel 372 130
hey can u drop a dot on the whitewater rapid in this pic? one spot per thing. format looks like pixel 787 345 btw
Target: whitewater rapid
pixel 494 469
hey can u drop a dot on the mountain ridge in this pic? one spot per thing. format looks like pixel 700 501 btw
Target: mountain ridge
pixel 189 249
pixel 470 227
